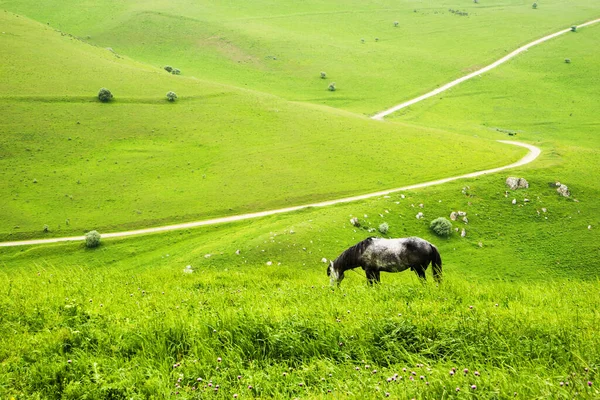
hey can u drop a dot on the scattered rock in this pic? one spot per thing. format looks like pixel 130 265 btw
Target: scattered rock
pixel 421 205
pixel 516 183
pixel 269 263
pixel 188 270
pixel 514 201
pixel 480 244
pixel 462 214
pixel 589 227
pixel 207 255
pixel 237 252
pixel 453 216
pixel 465 220
pixel 324 260
pixel 544 209
pixel 463 233
pixel 420 215
pixel 354 222
pixel 402 196
pixel 563 190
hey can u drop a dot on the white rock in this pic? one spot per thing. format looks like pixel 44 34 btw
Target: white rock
pixel 188 269
pixel 589 227
pixel 465 220
pixel 237 252
pixel 453 216
pixel 420 215
pixel 354 222
pixel 421 205
pixel 544 209
pixel 563 190
pixel 514 201
pixel 463 233
pixel 269 263
pixel 516 183
pixel 462 213
pixel 324 260
pixel 207 255
pixel 402 196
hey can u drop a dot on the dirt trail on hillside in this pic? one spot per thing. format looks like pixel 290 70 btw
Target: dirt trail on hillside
pixel 381 115
pixel 534 152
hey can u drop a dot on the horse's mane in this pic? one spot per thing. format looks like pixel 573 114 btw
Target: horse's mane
pixel 351 256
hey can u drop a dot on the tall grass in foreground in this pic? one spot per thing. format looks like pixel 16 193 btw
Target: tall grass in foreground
pixel 258 331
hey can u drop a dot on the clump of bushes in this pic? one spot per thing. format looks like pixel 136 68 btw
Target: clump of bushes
pixel 534 6
pixel 171 96
pixel 441 227
pixel 384 228
pixel 92 239
pixel 332 87
pixel 172 70
pixel 104 95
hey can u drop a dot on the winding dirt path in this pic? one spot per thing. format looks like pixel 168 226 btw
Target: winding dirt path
pixel 381 115
pixel 534 152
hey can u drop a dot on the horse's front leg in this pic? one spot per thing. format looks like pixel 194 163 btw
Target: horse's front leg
pixel 372 276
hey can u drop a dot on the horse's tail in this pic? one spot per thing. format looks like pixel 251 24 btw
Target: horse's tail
pixel 436 263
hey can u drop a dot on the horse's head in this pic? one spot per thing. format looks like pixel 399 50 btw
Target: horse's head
pixel 334 274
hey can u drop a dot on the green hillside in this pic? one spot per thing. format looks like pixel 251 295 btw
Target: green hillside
pixel 75 164
pixel 281 47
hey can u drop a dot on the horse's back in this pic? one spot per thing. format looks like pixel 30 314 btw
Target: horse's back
pixel 395 255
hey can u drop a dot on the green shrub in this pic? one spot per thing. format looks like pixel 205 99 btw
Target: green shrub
pixel 534 6
pixel 171 96
pixel 168 68
pixel 46 228
pixel 396 23
pixel 574 28
pixel 332 87
pixel 384 228
pixel 104 95
pixel 441 227
pixel 323 75
pixel 568 60
pixel 175 71
pixel 92 239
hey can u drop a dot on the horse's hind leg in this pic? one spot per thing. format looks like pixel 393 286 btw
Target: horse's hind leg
pixel 420 271
pixel 372 276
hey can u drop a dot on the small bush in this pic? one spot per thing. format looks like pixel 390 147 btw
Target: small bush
pixel 171 96
pixel 46 228
pixel 323 75
pixel 441 227
pixel 396 23
pixel 574 28
pixel 176 71
pixel 104 95
pixel 92 239
pixel 168 68
pixel 377 39
pixel 332 87
pixel 568 60
pixel 384 228
pixel 534 6
pixel 362 40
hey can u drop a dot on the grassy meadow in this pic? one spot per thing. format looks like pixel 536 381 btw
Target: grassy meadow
pixel 254 128
pixel 75 164
pixel 281 47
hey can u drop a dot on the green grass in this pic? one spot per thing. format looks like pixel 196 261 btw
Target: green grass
pixel 520 293
pixel 140 160
pixel 282 47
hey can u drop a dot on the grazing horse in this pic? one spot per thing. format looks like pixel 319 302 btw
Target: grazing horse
pixel 389 255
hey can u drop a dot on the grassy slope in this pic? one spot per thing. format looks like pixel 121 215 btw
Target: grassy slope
pixel 541 270
pixel 120 165
pixel 281 47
